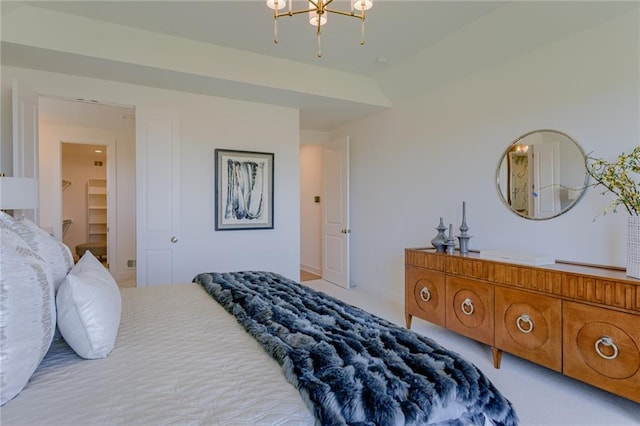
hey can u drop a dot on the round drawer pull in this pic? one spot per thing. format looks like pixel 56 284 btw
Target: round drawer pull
pixel 524 318
pixel 606 341
pixel 467 306
pixel 425 294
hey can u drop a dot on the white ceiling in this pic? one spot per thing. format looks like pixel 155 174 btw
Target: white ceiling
pixel 394 30
pixel 411 47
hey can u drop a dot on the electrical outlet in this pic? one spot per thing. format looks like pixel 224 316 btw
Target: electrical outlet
pixel 131 263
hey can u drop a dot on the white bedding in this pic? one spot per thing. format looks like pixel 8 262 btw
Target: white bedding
pixel 179 358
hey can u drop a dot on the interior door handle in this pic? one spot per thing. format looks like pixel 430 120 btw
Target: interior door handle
pixel 174 240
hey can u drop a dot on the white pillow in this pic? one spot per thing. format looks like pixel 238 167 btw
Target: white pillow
pixel 89 308
pixel 56 255
pixel 27 314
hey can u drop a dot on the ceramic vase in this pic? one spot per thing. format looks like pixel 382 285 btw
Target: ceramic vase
pixel 438 242
pixel 451 241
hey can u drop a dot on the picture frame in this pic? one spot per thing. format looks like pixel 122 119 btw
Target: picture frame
pixel 243 190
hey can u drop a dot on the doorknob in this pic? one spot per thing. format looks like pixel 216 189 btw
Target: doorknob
pixel 174 240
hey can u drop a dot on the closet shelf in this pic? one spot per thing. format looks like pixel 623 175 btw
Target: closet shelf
pixel 97 211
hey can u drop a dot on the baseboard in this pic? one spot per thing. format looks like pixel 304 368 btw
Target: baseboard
pixel 311 269
pixel 126 276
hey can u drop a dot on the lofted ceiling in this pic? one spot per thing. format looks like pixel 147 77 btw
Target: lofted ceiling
pixel 411 47
pixel 394 30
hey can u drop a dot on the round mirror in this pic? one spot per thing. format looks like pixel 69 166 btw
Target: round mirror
pixel 542 174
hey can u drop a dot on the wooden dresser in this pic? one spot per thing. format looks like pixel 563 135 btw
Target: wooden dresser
pixel 578 320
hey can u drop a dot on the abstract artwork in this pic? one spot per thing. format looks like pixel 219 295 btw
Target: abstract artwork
pixel 244 190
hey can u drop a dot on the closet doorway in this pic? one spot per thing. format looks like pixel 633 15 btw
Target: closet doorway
pixel 68 124
pixel 84 199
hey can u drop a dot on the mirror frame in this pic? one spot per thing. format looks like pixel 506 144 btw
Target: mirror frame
pixel 518 141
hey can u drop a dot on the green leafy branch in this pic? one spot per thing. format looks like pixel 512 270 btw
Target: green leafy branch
pixel 621 178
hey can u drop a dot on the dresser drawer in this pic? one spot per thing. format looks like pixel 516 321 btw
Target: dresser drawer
pixel 469 308
pixel 529 325
pixel 602 347
pixel 424 295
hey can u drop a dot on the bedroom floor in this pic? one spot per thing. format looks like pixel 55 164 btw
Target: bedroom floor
pixel 540 396
pixel 127 283
pixel 304 276
pixel 308 276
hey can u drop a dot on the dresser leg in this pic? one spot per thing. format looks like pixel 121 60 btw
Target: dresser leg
pixel 407 320
pixel 497 357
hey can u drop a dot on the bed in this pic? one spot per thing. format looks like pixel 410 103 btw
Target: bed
pixel 213 352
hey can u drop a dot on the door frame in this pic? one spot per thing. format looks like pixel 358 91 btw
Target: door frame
pixel 25 143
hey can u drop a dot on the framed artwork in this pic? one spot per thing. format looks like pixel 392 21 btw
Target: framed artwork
pixel 244 190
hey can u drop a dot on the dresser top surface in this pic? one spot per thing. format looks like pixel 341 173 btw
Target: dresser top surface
pixel 597 271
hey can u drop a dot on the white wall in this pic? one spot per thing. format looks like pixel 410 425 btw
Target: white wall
pixel 207 123
pixel 419 161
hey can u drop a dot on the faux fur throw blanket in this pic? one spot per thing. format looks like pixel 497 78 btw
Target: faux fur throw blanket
pixel 351 367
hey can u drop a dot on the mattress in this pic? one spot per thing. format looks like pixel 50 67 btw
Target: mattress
pixel 179 358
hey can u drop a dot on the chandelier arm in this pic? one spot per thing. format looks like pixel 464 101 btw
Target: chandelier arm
pixel 342 12
pixel 319 25
pixel 293 12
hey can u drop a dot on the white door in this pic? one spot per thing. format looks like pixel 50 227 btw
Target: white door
pixel 25 138
pixel 335 215
pixel 158 196
pixel 546 179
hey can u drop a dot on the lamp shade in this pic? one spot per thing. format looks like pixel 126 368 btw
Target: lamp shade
pixel 18 193
pixel 280 4
pixel 362 4
pixel 313 19
pixel 314 15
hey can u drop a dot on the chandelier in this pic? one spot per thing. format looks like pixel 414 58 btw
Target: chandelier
pixel 318 11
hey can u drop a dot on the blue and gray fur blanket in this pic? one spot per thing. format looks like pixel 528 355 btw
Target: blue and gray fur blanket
pixel 351 367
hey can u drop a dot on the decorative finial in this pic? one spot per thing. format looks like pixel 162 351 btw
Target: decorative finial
pixel 463 238
pixel 451 242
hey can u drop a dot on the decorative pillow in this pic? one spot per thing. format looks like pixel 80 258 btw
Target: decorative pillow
pixel 56 255
pixel 89 308
pixel 27 314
